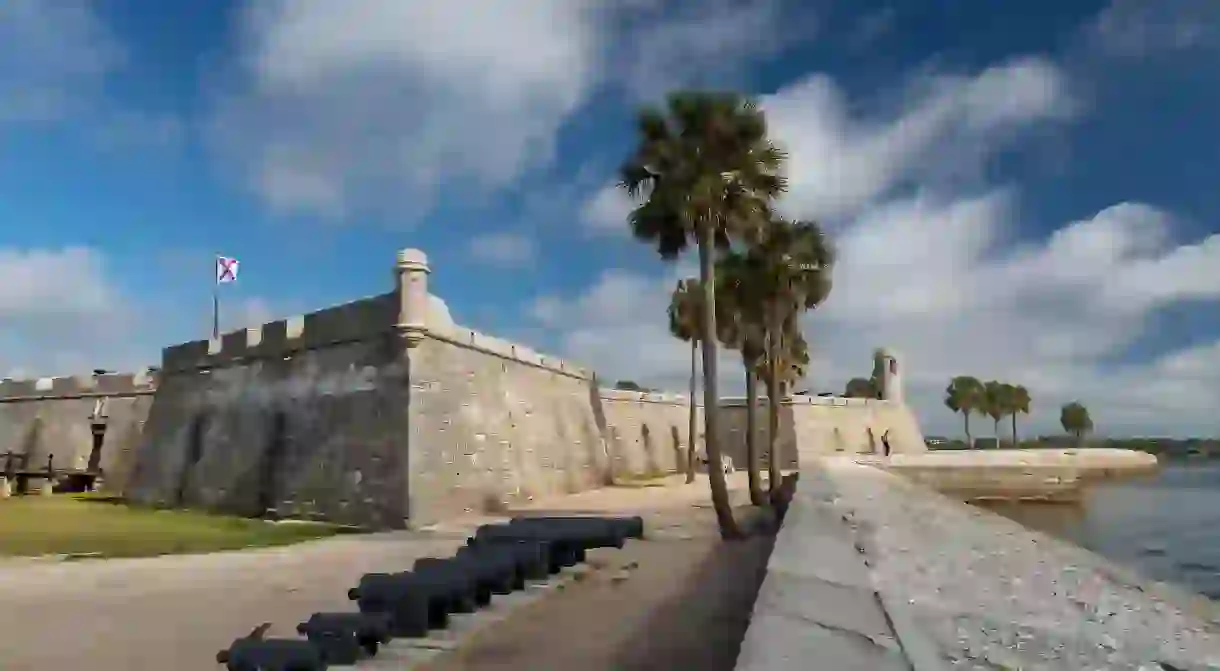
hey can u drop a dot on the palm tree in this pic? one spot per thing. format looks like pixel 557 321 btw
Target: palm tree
pixel 994 405
pixel 965 395
pixel 792 265
pixel 684 320
pixel 860 387
pixel 741 329
pixel 1075 420
pixel 790 356
pixel 707 173
pixel 1020 405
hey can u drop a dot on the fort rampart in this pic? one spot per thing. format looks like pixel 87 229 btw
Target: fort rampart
pixel 384 411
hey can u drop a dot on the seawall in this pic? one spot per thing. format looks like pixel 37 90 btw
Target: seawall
pixel 1029 474
pixel 56 417
pixel 873 571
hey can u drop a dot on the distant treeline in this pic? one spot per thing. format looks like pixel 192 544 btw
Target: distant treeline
pixel 1169 447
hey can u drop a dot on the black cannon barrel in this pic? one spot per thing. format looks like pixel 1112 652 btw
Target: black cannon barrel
pixel 630 527
pixel 491 574
pixel 562 549
pixel 413 603
pixel 587 533
pixel 272 654
pixel 345 638
pixel 457 581
pixel 619 528
pixel 467 592
pixel 528 559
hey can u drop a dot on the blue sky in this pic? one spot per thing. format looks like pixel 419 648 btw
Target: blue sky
pixel 1019 190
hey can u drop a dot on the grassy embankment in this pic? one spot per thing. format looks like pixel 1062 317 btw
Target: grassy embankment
pixel 101 527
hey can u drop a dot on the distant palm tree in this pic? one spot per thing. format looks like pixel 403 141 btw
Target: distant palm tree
pixel 1020 401
pixel 860 387
pixel 1076 420
pixel 685 317
pixel 706 173
pixel 995 403
pixel 965 395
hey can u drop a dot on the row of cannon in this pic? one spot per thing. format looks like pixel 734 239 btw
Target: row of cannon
pixel 498 560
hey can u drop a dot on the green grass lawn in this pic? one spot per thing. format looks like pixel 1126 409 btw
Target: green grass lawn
pixel 81 525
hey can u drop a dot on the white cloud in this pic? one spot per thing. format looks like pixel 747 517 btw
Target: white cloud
pixel 344 106
pixel 53 57
pixel 60 313
pixel 507 249
pixel 702 43
pixel 606 212
pixel 939 272
pixel 840 163
pixel 1133 28
pixel 338 110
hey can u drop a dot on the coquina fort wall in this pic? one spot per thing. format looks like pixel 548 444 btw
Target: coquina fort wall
pixel 384 412
pixel 87 423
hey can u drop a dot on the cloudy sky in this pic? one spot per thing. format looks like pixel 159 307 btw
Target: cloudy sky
pixel 1020 190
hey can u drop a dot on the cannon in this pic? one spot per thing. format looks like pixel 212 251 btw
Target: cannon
pixel 455 581
pixel 345 638
pixel 600 531
pixel 256 653
pixel 487 574
pixel 413 603
pixel 529 558
pixel 561 549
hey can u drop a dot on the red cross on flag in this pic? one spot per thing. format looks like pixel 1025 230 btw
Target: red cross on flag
pixel 226 269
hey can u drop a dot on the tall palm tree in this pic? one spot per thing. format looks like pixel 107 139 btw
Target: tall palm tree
pixel 1076 420
pixel 1020 401
pixel 995 402
pixel 740 328
pixel 965 395
pixel 791 267
pixel 706 173
pixel 684 319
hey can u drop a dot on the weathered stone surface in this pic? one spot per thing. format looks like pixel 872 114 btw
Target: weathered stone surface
pixel 778 643
pixel 322 433
pixel 965 588
pixel 55 418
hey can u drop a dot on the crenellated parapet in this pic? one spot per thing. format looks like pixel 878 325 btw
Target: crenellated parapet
pixel 350 322
pixel 141 382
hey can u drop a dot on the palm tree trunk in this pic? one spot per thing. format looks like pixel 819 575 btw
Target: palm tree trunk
pixel 1014 430
pixel 969 441
pixel 996 426
pixel 692 428
pixel 774 343
pixel 756 495
pixel 711 400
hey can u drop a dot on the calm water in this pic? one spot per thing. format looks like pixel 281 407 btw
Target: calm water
pixel 1167 526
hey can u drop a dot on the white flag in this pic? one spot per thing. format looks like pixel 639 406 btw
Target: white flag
pixel 226 269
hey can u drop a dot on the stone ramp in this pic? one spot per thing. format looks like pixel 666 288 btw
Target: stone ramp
pixel 960 587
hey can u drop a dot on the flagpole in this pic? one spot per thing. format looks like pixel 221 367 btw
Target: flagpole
pixel 216 298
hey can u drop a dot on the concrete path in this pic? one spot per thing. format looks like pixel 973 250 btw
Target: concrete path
pixel 175 612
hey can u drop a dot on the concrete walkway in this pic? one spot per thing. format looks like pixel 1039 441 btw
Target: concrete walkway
pixel 175 612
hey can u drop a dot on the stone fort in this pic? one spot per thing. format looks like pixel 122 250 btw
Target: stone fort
pixel 385 413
